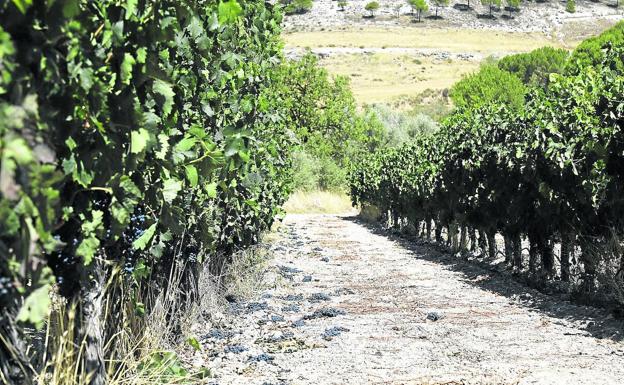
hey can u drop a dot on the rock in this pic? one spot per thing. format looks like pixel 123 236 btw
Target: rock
pixel 291 308
pixel 277 318
pixel 329 312
pixel 325 259
pixel 333 332
pixel 231 298
pixel 289 270
pixel 217 334
pixel 318 297
pixel 298 323
pixel 256 306
pixel 235 349
pixel 263 357
pixel 293 297
pixel 279 337
pixel 433 316
pixel 343 291
pixel 307 278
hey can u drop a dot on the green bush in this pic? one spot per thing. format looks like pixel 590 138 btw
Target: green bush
pixel 571 6
pixel 590 53
pixel 333 134
pixel 372 7
pixel 400 127
pixel 297 6
pixel 534 68
pixel 490 84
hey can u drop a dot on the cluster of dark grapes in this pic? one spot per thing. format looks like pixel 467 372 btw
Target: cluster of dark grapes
pixel 135 229
pixel 7 289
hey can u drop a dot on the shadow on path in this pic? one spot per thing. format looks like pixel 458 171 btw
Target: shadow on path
pixel 596 322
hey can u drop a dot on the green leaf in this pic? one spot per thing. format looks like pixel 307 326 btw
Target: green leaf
pixel 22 5
pixel 71 8
pixel 35 307
pixel 166 91
pixel 141 242
pixel 131 6
pixel 163 140
pixel 138 140
pixel 191 175
pixel 229 11
pixel 211 190
pixel 192 341
pixel 185 144
pixel 87 249
pixel 171 187
pixel 126 68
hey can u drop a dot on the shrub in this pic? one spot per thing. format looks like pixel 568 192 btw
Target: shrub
pixel 590 53
pixel 401 127
pixel 372 7
pixel 489 84
pixel 571 6
pixel 535 67
pixel 297 6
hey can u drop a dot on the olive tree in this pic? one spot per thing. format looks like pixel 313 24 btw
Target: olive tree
pixel 419 6
pixel 438 4
pixel 372 7
pixel 512 5
pixel 490 4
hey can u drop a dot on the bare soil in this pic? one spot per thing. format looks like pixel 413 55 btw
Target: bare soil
pixel 346 304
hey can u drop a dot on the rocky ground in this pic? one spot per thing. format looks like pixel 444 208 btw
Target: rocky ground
pixel 547 17
pixel 345 304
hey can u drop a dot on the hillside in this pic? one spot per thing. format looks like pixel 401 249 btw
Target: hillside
pixel 392 59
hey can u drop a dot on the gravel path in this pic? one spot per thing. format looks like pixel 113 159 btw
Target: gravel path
pixel 348 305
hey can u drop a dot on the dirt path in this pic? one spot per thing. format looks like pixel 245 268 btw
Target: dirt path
pixel 347 305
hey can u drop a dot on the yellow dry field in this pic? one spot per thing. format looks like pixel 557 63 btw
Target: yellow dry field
pixel 387 77
pixel 452 40
pixel 390 64
pixel 318 202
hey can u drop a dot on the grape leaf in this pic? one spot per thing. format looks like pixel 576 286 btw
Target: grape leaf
pixel 229 11
pixel 141 242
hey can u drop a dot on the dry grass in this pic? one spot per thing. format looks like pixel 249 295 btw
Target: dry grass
pixel 387 65
pixel 385 77
pixel 140 346
pixel 452 40
pixel 244 276
pixel 318 202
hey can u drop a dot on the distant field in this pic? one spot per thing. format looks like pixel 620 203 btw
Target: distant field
pixel 385 77
pixel 387 64
pixel 452 40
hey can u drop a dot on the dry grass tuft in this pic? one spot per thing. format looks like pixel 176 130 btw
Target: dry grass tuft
pixel 318 202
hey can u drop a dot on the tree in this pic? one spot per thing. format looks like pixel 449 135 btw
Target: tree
pixel 296 6
pixel 534 68
pixel 342 4
pixel 419 6
pixel 438 4
pixel 372 7
pixel 397 9
pixel 571 6
pixel 491 4
pixel 488 85
pixel 512 5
